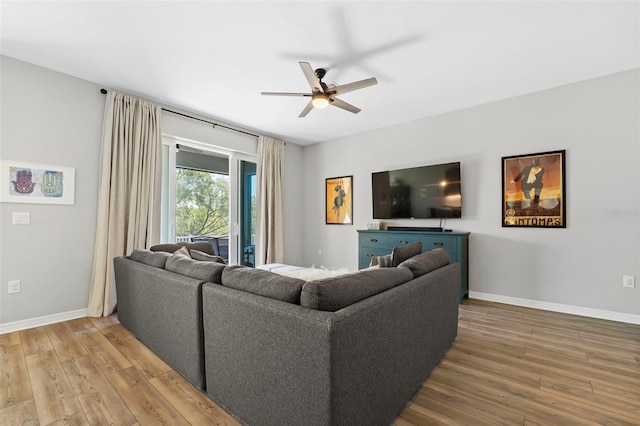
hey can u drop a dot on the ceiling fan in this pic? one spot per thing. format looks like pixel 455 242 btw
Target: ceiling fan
pixel 321 94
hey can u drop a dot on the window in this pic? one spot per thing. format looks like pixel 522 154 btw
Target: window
pixel 209 195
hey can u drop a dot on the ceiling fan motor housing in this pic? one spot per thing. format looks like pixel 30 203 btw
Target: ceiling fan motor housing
pixel 320 73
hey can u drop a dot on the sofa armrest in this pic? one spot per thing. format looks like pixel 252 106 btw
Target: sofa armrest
pixel 164 311
pixel 266 358
pixel 385 347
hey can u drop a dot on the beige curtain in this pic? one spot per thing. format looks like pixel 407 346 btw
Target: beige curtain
pixel 269 201
pixel 129 191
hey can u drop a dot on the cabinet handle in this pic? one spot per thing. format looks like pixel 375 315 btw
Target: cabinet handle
pixel 438 244
pixel 404 242
pixel 373 240
pixel 369 255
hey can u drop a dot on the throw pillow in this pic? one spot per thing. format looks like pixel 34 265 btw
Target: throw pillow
pixel 205 257
pixel 381 261
pixel 426 262
pixel 400 254
pixel 183 251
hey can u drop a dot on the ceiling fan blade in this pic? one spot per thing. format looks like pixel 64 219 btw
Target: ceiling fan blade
pixel 311 77
pixel 342 104
pixel 350 87
pixel 306 110
pixel 285 94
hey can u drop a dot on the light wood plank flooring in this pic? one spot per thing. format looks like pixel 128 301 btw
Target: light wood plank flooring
pixel 508 365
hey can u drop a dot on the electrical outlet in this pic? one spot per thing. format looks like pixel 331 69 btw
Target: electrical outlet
pixel 14 286
pixel 628 281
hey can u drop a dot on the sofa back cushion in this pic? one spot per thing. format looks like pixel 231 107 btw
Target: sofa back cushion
pixel 203 271
pixel 204 246
pixel 263 283
pixel 332 294
pixel 426 262
pixel 150 258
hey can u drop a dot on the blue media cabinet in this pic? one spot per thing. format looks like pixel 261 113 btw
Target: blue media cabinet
pixel 379 243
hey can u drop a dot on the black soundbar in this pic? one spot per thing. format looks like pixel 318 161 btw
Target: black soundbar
pixel 415 228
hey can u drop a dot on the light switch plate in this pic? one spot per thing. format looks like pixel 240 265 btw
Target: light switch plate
pixel 14 286
pixel 21 218
pixel 629 281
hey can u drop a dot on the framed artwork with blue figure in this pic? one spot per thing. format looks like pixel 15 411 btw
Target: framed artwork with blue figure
pixel 36 183
pixel 533 190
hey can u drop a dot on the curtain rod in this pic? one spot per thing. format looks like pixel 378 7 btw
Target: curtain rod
pixel 104 92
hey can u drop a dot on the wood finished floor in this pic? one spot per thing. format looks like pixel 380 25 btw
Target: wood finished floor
pixel 508 365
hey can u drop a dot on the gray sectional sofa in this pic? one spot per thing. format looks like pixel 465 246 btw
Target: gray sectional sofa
pixel 275 350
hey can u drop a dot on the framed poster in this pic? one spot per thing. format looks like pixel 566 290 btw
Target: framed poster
pixel 533 190
pixel 339 200
pixel 36 183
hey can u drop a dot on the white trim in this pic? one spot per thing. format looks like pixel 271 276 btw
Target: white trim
pixel 234 209
pixel 557 307
pixel 10 327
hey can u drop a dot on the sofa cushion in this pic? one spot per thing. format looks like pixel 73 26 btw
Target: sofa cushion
pixel 204 246
pixel 203 271
pixel 205 257
pixel 263 283
pixel 400 254
pixel 426 262
pixel 150 258
pixel 332 294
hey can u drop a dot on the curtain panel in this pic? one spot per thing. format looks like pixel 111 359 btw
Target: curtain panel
pixel 129 192
pixel 270 244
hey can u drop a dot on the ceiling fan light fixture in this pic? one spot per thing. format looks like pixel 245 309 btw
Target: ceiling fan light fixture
pixel 321 95
pixel 320 101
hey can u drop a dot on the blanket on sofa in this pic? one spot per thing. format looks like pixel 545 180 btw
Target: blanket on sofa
pixel 304 273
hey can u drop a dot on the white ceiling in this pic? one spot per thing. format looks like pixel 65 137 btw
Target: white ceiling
pixel 430 57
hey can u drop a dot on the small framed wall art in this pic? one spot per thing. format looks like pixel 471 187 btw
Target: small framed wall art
pixel 533 190
pixel 339 200
pixel 36 183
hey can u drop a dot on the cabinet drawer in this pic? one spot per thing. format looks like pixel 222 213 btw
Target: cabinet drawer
pixel 386 241
pixel 448 243
pixel 389 241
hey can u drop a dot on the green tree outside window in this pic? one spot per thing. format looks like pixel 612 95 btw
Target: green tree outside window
pixel 202 203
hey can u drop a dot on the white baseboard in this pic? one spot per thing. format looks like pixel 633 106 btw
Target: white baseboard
pixel 557 307
pixel 40 321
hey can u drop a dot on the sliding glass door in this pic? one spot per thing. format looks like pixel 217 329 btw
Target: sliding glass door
pixel 208 194
pixel 247 234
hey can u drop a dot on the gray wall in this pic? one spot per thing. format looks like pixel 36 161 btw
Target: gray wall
pixel 54 119
pixel 596 122
pixel 51 118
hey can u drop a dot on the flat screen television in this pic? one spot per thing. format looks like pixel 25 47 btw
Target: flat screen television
pixel 425 192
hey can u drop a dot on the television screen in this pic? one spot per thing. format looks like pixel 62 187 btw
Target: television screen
pixel 417 193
